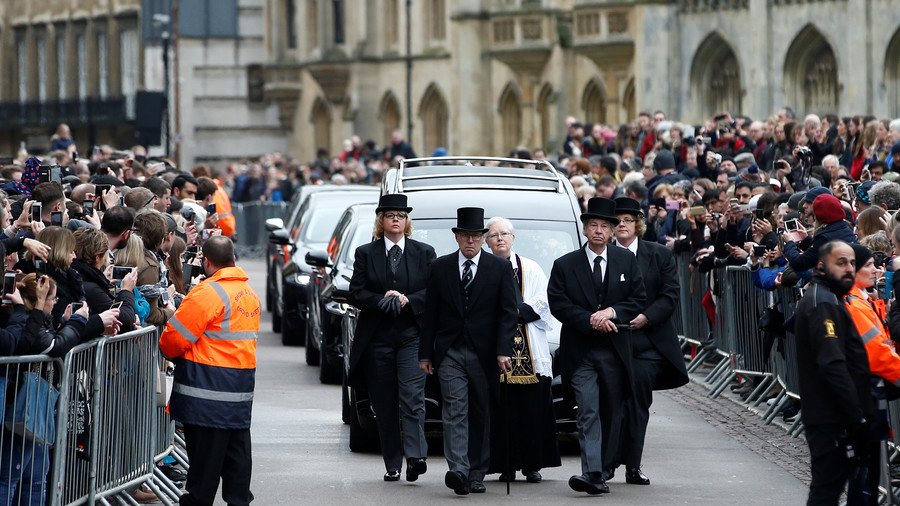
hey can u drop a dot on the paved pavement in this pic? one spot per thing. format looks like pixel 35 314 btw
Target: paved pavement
pixel 301 454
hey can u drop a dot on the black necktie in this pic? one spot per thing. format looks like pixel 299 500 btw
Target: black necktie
pixel 598 274
pixel 394 258
pixel 467 275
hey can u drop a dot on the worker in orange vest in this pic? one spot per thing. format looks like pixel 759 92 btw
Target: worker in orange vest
pixel 212 340
pixel 884 362
pixel 210 193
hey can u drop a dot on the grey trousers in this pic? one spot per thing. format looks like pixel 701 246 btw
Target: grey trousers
pixel 397 388
pixel 466 416
pixel 599 382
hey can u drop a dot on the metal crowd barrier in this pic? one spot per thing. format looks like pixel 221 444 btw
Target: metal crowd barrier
pixel 27 399
pixel 106 434
pixel 250 217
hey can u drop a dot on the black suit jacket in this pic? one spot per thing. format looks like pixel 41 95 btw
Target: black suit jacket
pixel 369 284
pixel 573 300
pixel 657 265
pixel 488 324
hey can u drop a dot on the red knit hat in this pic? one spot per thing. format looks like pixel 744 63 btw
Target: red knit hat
pixel 827 209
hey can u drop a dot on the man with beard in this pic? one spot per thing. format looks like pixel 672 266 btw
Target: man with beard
pixel 834 374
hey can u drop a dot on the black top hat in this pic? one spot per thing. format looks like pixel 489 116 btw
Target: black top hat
pixel 627 205
pixel 392 202
pixel 601 208
pixel 469 219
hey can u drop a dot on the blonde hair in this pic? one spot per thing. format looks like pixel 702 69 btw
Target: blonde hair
pixel 62 244
pixel 378 231
pixel 132 255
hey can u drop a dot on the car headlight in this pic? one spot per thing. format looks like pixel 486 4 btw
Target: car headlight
pixel 299 279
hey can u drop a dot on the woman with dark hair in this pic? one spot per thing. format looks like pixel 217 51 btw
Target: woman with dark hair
pixel 91 251
pixel 174 264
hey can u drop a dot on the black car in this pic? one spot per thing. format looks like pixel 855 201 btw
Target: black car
pixel 289 276
pixel 329 287
pixel 539 202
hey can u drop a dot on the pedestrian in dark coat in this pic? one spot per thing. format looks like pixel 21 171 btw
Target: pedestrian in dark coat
pixel 591 291
pixel 657 360
pixel 469 323
pixel 388 287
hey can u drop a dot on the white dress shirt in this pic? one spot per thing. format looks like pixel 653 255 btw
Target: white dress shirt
pixel 462 260
pixel 388 244
pixel 632 247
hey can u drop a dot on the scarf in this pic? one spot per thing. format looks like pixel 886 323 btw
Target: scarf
pixel 522 361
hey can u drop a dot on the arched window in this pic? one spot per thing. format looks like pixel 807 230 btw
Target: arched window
pixel 810 74
pixel 435 118
pixel 544 120
pixel 593 102
pixel 510 109
pixel 892 75
pixel 389 115
pixel 716 77
pixel 320 118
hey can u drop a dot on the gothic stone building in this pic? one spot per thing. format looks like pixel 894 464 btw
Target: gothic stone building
pixel 489 75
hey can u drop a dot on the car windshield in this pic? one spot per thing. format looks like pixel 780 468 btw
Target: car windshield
pixel 362 235
pixel 321 222
pixel 541 241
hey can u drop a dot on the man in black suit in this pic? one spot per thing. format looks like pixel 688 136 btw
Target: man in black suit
pixel 388 287
pixel 657 360
pixel 591 291
pixel 468 326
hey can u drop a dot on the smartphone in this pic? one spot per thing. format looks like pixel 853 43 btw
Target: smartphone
pixel 698 211
pixel 791 225
pixel 211 209
pixel 55 174
pixel 56 218
pixel 116 305
pixel 672 205
pixel 759 214
pixel 187 213
pixel 37 211
pixel 188 273
pixel 121 202
pixel 9 282
pixel 759 250
pixel 733 201
pixel 120 272
pixel 100 190
pixel 166 298
pixel 87 208
pixel 44 174
pixel 76 306
pixel 40 266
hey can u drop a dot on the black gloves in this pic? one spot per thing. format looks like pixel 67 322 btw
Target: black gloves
pixel 390 305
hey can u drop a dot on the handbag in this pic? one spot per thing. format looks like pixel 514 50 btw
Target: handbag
pixel 33 416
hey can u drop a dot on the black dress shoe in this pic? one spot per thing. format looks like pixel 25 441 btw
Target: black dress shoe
pixel 457 481
pixel 507 477
pixel 532 477
pixel 414 468
pixel 592 483
pixel 477 487
pixel 609 474
pixel 636 477
pixel 392 475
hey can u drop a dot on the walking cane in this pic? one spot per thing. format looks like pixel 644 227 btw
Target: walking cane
pixel 505 401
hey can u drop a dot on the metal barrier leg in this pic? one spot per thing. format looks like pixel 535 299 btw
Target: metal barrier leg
pixel 698 359
pixel 762 387
pixel 776 407
pixel 162 496
pixel 125 498
pixel 166 484
pixel 764 396
pixel 719 387
pixel 180 458
pixel 796 428
pixel 720 368
pixel 886 475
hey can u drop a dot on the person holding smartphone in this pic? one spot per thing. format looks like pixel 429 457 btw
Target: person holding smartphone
pixel 91 263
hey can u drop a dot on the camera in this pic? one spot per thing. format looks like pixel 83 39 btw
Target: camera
pixel 121 272
pixel 187 213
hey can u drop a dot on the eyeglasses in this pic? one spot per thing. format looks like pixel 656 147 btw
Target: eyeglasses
pixel 395 216
pixel 627 220
pixel 502 235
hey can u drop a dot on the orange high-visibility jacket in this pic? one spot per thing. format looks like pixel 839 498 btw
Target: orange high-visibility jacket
pixel 223 209
pixel 212 340
pixel 883 359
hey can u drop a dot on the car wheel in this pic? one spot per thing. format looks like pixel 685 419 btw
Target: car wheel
pixel 346 408
pixel 276 319
pixel 328 374
pixel 312 354
pixel 292 332
pixel 361 440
